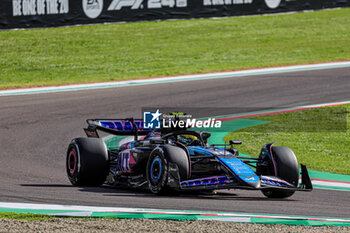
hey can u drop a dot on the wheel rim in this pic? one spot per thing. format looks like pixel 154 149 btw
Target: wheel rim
pixel 72 162
pixel 156 169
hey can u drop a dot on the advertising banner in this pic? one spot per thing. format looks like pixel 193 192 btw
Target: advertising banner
pixel 52 13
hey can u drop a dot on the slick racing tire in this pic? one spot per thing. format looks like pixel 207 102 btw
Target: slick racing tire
pixel 286 169
pixel 157 170
pixel 87 162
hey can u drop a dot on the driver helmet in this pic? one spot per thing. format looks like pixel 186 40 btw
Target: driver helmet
pixel 186 139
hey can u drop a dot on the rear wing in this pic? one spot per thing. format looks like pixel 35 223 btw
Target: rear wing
pixel 130 126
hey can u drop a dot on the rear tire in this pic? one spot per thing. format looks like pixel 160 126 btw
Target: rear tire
pixel 286 168
pixel 87 162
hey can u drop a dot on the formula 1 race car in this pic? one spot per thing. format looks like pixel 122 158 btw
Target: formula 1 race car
pixel 124 153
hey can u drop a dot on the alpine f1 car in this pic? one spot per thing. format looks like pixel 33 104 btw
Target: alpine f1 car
pixel 124 153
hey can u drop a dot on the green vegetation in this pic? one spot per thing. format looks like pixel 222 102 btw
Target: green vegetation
pixel 34 217
pixel 320 137
pixel 150 49
pixel 27 217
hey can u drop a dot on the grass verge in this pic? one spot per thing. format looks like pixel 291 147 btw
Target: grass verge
pixel 27 217
pixel 320 137
pixel 149 49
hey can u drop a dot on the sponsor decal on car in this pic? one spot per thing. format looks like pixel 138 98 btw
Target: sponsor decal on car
pixel 125 159
pixel 240 169
pixel 208 181
pixel 121 125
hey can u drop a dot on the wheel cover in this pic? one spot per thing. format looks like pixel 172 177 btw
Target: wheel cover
pixel 156 169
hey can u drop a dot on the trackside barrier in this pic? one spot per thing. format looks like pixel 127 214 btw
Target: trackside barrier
pixel 52 13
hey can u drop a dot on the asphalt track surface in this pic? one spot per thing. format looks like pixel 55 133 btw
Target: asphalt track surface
pixel 36 129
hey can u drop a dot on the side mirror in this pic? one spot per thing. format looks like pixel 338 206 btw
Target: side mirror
pixel 235 142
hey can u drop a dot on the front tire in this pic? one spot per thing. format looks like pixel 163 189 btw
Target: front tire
pixel 285 166
pixel 157 170
pixel 87 162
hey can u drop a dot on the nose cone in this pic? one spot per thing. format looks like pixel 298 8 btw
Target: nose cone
pixel 255 185
pixel 242 171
